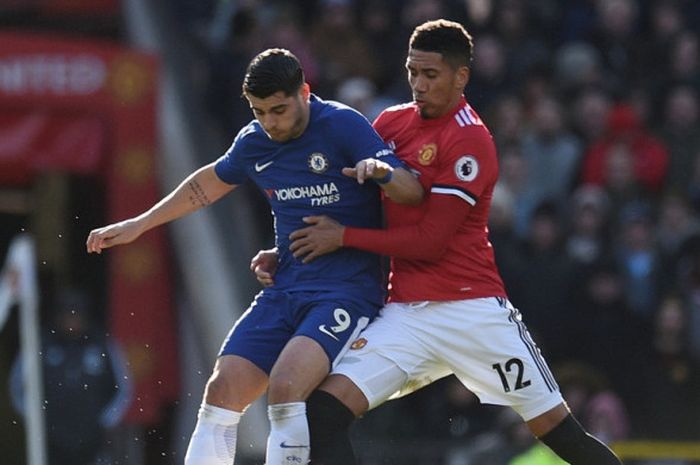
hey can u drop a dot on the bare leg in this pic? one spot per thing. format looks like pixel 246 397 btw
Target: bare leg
pixel 234 384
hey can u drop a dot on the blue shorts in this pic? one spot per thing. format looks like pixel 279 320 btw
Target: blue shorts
pixel 333 319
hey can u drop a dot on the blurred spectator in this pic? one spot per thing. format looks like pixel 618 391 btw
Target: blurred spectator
pixel 671 377
pixel 684 66
pixel 676 224
pixel 588 237
pixel 227 68
pixel 589 114
pixel 285 30
pixel 615 37
pixel 377 20
pixel 681 134
pixel 667 22
pixel 599 408
pixel 604 332
pixel 577 65
pixel 551 151
pixel 86 385
pixel 637 256
pixel 340 51
pixel 489 76
pixel 514 178
pixel 502 235
pixel 507 118
pixel 625 133
pixel 545 281
pixel 524 48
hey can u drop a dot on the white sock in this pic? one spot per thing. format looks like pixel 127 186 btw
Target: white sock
pixel 288 442
pixel 213 441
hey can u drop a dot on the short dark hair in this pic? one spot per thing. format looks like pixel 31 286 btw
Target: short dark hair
pixel 271 71
pixel 447 38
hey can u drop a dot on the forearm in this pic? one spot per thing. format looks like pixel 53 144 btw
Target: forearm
pixel 426 240
pixel 200 189
pixel 403 187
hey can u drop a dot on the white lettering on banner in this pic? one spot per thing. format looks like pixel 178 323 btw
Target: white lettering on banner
pixel 319 194
pixel 52 74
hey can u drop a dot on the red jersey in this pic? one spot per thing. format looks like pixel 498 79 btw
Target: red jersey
pixel 453 155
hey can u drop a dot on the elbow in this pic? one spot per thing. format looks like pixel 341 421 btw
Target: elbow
pixel 415 197
pixel 410 196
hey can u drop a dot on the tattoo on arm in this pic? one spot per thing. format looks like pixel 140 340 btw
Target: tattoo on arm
pixel 197 195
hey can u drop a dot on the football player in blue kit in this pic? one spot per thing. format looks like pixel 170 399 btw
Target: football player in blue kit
pixel 309 157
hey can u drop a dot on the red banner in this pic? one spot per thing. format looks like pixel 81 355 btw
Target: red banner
pixel 89 107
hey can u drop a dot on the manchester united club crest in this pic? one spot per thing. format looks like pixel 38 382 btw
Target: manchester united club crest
pixel 318 162
pixel 427 154
pixel 358 344
pixel 466 168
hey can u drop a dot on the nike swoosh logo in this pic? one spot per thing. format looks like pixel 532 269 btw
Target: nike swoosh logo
pixel 259 168
pixel 324 330
pixel 284 445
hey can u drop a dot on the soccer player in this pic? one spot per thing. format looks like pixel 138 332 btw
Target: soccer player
pixel 448 312
pixel 296 150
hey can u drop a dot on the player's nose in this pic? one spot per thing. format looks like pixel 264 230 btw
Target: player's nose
pixel 420 85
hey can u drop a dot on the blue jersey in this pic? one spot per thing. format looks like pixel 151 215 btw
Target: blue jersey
pixel 302 177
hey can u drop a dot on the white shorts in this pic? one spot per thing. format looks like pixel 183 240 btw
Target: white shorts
pixel 482 341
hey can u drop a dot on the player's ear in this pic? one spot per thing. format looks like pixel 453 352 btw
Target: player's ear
pixel 462 77
pixel 306 91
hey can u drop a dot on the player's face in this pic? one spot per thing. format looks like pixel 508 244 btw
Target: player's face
pixel 282 117
pixel 436 86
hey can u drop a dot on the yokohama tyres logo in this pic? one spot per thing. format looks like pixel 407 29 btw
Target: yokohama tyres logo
pixel 319 194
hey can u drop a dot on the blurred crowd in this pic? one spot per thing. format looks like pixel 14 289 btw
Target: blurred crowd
pixel 594 107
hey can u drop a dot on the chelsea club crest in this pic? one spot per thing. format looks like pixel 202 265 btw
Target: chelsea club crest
pixel 318 163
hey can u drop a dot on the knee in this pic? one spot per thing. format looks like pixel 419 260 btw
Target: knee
pixel 221 392
pixel 284 389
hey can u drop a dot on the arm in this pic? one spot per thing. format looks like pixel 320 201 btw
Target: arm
pixel 198 190
pixel 426 240
pixel 397 183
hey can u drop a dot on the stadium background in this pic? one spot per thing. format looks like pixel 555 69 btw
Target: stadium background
pixel 105 105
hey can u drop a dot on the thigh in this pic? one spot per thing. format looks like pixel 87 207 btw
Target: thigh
pixel 486 344
pixel 390 358
pixel 261 333
pixel 334 321
pixel 300 368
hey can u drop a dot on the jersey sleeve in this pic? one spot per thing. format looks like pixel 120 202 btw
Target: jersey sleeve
pixel 360 140
pixel 229 167
pixel 427 240
pixel 468 167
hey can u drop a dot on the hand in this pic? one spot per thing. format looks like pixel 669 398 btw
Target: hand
pixel 264 265
pixel 115 234
pixel 325 235
pixel 369 168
